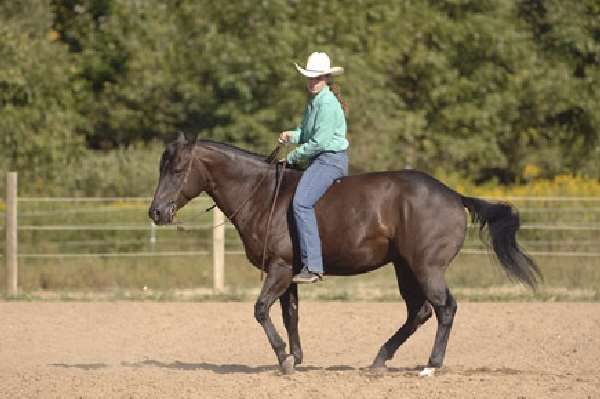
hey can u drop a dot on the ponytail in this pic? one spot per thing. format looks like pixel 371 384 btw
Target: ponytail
pixel 336 91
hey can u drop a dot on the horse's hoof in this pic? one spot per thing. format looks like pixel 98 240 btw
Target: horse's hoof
pixel 377 366
pixel 427 372
pixel 287 366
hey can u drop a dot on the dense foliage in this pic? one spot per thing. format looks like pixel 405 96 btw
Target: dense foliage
pixel 478 88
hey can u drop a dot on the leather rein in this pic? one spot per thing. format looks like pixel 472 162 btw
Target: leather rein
pixel 273 158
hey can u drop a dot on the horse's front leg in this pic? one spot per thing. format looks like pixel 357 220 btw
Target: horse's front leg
pixel 289 309
pixel 277 282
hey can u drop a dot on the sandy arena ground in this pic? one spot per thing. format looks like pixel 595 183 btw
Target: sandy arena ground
pixel 217 350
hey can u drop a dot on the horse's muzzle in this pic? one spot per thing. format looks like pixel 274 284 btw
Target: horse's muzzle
pixel 162 215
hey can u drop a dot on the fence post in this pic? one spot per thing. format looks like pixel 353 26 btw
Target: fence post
pixel 152 236
pixel 11 234
pixel 218 250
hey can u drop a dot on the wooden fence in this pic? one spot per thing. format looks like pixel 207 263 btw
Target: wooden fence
pixel 12 228
pixel 11 234
pixel 218 233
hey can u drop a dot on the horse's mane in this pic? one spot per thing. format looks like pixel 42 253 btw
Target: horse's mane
pixel 236 150
pixel 265 159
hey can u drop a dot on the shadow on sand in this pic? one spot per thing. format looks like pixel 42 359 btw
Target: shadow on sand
pixel 229 368
pixel 216 368
pixel 235 368
pixel 245 369
pixel 81 366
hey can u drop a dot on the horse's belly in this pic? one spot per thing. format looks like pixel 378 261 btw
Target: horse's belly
pixel 351 257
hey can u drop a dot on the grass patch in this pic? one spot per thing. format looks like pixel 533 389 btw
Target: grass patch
pixel 174 278
pixel 470 277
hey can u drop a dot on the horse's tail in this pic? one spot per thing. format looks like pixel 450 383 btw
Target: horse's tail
pixel 502 223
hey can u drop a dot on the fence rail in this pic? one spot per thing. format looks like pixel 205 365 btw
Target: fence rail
pixel 11 234
pixel 111 227
pixel 142 227
pixel 217 249
pixel 12 228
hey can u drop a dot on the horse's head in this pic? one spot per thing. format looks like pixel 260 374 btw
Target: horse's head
pixel 177 184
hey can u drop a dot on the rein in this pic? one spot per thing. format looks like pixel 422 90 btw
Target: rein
pixel 271 159
pixel 234 214
pixel 277 187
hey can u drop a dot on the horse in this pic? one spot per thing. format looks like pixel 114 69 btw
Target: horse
pixel 407 218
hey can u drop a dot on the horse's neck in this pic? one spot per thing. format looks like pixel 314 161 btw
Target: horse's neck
pixel 240 188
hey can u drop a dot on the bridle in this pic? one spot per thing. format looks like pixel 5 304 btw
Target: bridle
pixel 273 158
pixel 185 179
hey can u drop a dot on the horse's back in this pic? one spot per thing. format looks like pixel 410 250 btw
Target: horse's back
pixel 404 185
pixel 369 219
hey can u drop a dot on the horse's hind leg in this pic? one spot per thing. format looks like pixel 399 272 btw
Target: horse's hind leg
pixel 289 309
pixel 277 282
pixel 418 312
pixel 437 293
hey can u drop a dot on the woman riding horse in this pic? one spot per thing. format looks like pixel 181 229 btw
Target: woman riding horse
pixel 322 139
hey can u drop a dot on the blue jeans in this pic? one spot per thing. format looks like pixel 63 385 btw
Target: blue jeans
pixel 315 181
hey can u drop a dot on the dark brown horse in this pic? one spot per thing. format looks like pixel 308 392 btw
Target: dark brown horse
pixel 406 218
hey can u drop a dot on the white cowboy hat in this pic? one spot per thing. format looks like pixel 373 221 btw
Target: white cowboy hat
pixel 319 64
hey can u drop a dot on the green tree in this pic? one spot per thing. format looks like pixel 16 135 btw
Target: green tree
pixel 567 36
pixel 478 88
pixel 37 113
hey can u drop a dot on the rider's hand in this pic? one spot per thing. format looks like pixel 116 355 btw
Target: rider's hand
pixel 284 137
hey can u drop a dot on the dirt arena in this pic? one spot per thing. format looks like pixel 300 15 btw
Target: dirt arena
pixel 217 350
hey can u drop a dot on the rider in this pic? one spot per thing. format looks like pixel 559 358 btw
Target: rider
pixel 322 142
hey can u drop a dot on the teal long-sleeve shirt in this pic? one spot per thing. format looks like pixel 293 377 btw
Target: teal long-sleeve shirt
pixel 323 128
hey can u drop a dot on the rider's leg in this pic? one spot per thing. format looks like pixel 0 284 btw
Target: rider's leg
pixel 315 181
